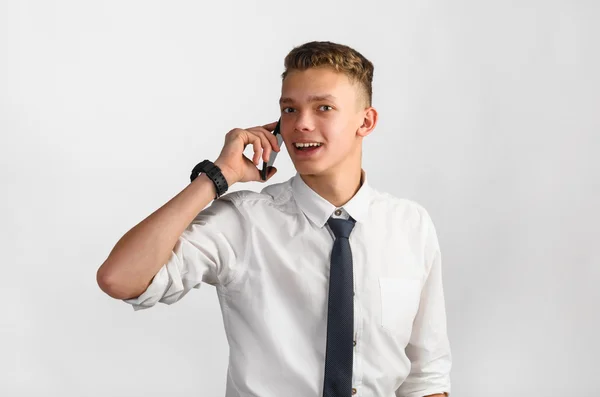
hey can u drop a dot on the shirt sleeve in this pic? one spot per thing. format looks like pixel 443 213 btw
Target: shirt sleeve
pixel 429 348
pixel 209 250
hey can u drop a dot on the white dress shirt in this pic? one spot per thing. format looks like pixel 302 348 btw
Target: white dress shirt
pixel 268 255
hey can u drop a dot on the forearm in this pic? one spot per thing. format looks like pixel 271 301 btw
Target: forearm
pixel 144 249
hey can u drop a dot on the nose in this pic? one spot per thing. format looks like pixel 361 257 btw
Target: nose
pixel 303 122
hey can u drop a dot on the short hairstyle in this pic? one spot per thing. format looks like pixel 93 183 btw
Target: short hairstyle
pixel 339 57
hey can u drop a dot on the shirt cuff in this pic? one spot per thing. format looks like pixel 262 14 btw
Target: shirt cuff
pixel 166 287
pixel 440 387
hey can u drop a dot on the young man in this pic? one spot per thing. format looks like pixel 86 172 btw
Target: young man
pixel 327 286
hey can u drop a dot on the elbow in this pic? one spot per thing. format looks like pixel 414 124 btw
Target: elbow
pixel 106 282
pixel 113 285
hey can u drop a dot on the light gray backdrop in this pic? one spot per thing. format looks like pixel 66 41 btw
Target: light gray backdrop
pixel 489 117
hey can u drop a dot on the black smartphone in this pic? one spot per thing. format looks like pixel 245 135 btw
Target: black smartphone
pixel 273 155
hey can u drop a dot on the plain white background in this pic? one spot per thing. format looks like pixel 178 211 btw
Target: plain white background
pixel 489 117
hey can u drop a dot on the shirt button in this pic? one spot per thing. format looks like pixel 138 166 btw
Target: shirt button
pixel 338 212
pixel 354 390
pixel 354 343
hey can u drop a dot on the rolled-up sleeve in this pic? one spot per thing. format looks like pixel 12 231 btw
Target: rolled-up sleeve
pixel 209 250
pixel 429 348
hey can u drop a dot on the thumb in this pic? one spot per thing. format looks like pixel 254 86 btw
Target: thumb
pixel 270 172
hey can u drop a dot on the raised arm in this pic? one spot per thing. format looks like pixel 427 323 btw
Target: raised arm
pixel 142 251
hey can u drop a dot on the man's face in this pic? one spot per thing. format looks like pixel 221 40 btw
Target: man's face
pixel 322 106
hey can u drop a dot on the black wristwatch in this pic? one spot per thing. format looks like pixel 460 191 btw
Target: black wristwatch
pixel 214 173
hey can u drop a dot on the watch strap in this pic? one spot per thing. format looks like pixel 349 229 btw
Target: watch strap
pixel 213 172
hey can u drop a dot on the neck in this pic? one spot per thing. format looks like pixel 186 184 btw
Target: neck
pixel 336 187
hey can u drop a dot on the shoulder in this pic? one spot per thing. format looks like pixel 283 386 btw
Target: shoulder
pixel 271 195
pixel 405 207
pixel 409 218
pixel 401 209
pixel 239 207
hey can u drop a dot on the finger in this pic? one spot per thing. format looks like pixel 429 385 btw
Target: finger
pixel 266 146
pixel 256 145
pixel 272 138
pixel 270 126
pixel 270 172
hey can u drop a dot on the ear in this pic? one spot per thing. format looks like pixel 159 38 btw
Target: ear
pixel 369 122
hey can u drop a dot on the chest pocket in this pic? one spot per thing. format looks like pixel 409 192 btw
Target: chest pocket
pixel 400 299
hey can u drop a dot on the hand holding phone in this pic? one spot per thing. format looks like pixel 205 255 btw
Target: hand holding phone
pixel 235 166
pixel 273 155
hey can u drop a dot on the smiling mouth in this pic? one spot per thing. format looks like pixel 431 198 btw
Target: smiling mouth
pixel 307 148
pixel 301 146
pixel 307 152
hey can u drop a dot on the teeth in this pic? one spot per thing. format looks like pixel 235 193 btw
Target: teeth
pixel 307 144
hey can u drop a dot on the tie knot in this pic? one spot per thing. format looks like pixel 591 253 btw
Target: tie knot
pixel 341 227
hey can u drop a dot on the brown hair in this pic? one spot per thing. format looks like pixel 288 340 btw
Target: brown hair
pixel 337 56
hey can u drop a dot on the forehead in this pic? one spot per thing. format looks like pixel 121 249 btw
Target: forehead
pixel 301 85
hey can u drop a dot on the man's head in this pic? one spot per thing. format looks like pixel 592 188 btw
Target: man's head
pixel 326 98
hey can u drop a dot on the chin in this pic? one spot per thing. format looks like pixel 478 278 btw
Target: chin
pixel 309 168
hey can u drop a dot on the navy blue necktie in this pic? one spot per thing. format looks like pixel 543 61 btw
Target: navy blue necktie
pixel 340 314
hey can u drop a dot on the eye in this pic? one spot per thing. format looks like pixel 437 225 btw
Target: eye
pixel 325 106
pixel 284 110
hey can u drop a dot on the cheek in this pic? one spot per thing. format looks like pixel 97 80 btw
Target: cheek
pixel 340 132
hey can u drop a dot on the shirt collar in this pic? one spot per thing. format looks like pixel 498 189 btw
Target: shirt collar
pixel 319 210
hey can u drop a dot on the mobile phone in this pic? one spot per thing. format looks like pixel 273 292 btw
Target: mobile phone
pixel 273 155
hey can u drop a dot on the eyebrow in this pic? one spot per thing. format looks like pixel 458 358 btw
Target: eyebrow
pixel 312 98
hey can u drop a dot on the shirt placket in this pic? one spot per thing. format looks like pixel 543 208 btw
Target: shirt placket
pixel 357 368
